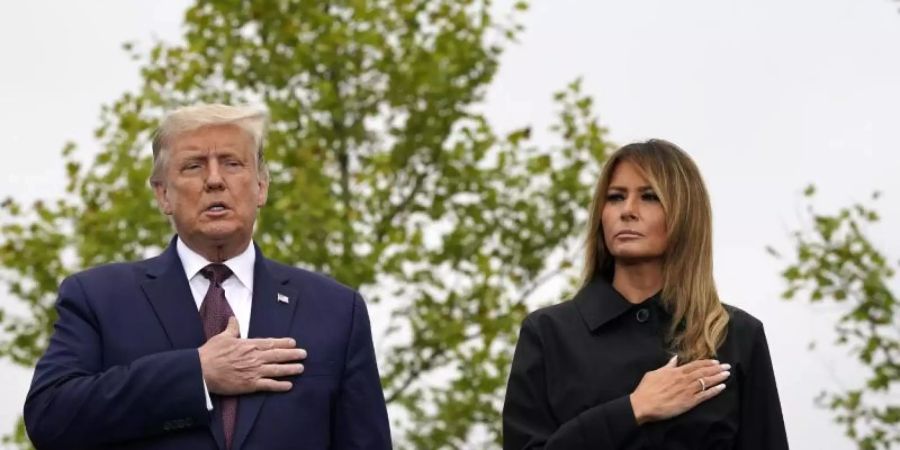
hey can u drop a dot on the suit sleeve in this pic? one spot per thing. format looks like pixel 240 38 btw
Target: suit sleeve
pixel 361 420
pixel 761 423
pixel 529 423
pixel 76 402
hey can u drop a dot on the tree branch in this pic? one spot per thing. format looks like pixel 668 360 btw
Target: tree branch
pixel 384 224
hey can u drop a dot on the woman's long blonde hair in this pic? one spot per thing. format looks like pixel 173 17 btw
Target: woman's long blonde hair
pixel 699 321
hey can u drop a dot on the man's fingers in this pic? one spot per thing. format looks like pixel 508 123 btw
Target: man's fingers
pixel 280 370
pixel 266 384
pixel 270 343
pixel 281 355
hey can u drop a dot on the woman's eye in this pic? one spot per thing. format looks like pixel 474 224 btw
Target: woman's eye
pixel 614 197
pixel 650 197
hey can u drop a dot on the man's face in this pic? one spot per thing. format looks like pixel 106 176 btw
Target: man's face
pixel 211 186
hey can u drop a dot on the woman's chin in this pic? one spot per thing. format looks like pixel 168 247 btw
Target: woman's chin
pixel 636 256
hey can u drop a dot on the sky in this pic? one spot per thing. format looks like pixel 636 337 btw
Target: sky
pixel 767 97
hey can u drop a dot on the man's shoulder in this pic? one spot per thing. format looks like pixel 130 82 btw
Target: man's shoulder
pixel 308 279
pixel 116 271
pixel 126 271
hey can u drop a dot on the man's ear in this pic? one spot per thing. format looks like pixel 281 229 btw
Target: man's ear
pixel 162 200
pixel 263 193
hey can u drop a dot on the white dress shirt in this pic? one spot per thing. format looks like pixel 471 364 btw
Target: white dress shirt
pixel 238 287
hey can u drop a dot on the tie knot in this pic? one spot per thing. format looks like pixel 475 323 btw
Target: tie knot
pixel 217 273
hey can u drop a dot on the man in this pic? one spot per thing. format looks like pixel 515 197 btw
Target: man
pixel 177 352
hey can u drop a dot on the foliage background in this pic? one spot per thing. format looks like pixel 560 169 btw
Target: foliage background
pixel 384 175
pixel 776 106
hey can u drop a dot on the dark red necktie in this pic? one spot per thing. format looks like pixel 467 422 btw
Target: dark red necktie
pixel 214 312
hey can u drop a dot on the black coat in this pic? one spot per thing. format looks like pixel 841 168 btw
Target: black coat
pixel 577 362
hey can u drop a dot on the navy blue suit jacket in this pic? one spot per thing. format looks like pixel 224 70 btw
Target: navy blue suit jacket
pixel 122 368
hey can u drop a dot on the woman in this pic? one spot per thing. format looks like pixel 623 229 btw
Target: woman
pixel 645 355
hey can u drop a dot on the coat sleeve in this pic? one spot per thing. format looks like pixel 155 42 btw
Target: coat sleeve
pixel 529 422
pixel 761 423
pixel 361 420
pixel 76 402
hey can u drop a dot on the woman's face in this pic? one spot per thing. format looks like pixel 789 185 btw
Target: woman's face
pixel 634 223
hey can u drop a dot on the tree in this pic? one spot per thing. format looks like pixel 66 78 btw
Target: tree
pixel 385 175
pixel 834 261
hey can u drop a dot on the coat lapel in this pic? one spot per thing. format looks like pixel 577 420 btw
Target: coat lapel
pixel 169 294
pixel 271 314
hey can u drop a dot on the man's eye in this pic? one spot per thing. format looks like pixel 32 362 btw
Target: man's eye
pixel 191 166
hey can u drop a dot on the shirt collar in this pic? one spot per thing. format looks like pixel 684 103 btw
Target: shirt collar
pixel 598 303
pixel 241 265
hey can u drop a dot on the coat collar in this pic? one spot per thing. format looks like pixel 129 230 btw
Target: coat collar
pixel 599 303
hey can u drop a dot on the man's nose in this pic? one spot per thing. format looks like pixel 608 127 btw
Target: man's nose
pixel 214 178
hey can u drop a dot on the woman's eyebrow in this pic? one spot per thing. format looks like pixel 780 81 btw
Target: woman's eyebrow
pixel 622 188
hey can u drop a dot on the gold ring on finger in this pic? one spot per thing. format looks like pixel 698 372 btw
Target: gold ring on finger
pixel 702 384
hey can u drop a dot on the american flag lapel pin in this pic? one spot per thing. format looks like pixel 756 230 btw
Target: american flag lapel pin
pixel 283 298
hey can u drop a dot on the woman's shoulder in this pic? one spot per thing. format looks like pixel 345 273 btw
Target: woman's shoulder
pixel 593 305
pixel 741 321
pixel 564 311
pixel 558 323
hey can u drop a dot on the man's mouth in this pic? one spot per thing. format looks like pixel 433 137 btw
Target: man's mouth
pixel 216 207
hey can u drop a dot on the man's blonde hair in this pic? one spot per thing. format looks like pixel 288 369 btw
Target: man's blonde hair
pixel 251 119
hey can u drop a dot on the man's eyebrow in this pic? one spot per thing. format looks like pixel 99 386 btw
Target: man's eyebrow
pixel 229 150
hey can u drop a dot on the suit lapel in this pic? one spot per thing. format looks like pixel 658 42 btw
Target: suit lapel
pixel 170 296
pixel 169 293
pixel 271 314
